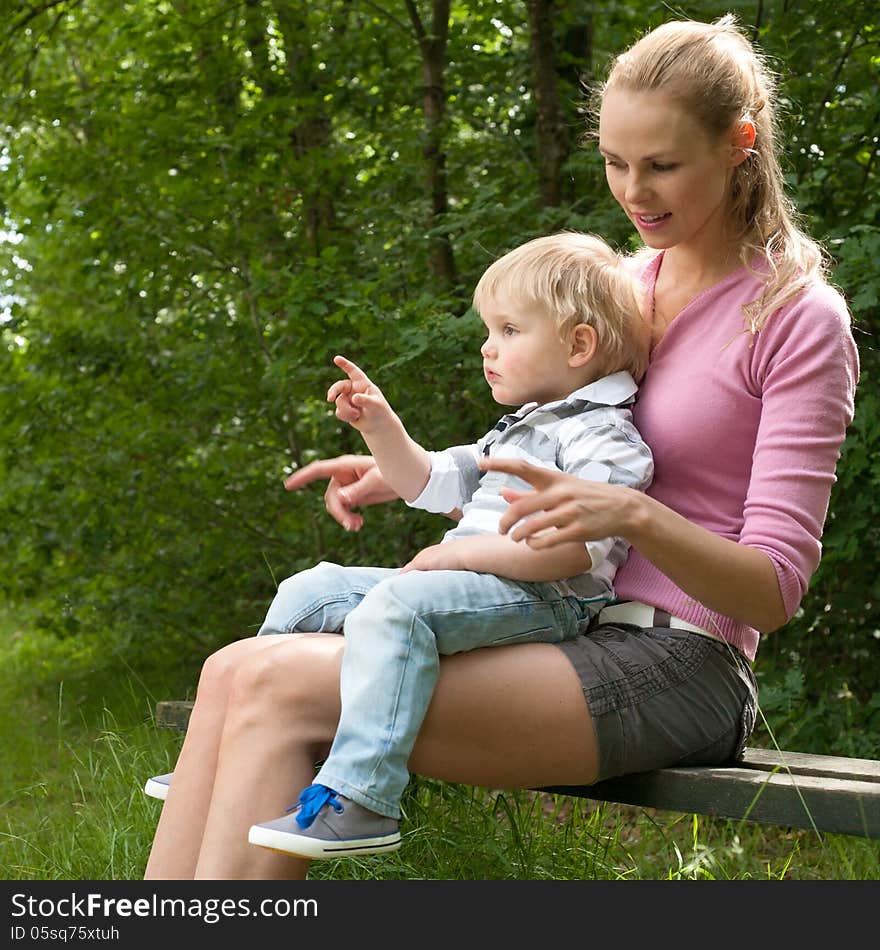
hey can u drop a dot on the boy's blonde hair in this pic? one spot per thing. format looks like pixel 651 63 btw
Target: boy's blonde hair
pixel 576 278
pixel 720 79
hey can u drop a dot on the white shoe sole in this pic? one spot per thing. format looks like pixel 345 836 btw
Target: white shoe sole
pixel 156 789
pixel 302 846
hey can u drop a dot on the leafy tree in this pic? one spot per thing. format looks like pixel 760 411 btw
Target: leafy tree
pixel 204 201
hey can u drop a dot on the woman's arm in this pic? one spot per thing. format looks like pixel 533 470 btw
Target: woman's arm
pixel 726 577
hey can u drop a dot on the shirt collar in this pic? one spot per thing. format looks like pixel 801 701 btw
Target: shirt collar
pixel 618 389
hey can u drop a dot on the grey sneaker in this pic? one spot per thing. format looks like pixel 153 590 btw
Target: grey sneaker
pixel 325 824
pixel 158 785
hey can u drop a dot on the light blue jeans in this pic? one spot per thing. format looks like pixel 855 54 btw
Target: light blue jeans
pixel 396 627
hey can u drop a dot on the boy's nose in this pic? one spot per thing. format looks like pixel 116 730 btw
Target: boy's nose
pixel 487 350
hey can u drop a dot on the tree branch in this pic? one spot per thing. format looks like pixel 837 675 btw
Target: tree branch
pixel 416 21
pixel 836 74
pixel 33 13
pixel 388 16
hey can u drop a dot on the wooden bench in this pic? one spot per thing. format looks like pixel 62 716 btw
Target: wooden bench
pixel 823 793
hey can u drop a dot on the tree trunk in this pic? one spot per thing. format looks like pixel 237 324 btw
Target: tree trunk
pixel 433 49
pixel 311 136
pixel 552 142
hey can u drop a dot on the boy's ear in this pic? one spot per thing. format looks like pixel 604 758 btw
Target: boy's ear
pixel 584 342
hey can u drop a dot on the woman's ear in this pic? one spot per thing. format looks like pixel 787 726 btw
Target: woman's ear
pixel 742 141
pixel 584 343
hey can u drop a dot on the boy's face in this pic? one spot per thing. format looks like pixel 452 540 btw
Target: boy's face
pixel 524 358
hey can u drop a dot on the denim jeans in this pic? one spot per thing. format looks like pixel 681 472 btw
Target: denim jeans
pixel 396 628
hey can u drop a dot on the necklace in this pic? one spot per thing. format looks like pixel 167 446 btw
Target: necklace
pixel 656 331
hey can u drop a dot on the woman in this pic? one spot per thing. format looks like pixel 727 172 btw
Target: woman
pixel 749 391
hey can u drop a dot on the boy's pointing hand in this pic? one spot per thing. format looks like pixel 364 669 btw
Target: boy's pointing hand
pixel 359 401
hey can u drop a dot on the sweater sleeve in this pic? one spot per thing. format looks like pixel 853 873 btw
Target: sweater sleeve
pixel 805 368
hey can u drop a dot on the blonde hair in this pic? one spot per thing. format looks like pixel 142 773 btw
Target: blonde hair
pixel 720 79
pixel 575 278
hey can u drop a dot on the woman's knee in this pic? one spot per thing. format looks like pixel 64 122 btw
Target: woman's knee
pixel 220 668
pixel 295 686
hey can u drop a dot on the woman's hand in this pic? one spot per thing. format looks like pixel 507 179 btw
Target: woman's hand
pixel 563 507
pixel 730 578
pixel 355 481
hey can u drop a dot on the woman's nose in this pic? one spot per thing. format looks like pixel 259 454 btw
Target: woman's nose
pixel 636 188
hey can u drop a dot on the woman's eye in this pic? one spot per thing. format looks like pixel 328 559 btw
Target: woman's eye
pixel 664 167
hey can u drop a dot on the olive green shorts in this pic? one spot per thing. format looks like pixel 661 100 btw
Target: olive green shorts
pixel 660 697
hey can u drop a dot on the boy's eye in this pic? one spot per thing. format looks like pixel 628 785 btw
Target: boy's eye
pixel 509 330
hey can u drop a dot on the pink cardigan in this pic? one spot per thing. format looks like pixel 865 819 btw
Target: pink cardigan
pixel 746 432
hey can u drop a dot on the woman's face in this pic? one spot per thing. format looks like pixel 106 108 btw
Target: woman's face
pixel 667 174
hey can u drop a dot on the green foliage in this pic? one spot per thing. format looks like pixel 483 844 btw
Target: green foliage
pixel 204 202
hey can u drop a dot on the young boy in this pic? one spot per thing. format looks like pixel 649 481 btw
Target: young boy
pixel 565 341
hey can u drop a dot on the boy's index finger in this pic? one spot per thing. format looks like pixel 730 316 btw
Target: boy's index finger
pixel 352 370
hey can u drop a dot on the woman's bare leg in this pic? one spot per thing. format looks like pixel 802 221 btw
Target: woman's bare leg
pixel 283 713
pixel 510 717
pixel 178 839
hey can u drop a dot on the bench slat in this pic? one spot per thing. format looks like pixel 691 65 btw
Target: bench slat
pixel 838 805
pixel 801 763
pixel 173 714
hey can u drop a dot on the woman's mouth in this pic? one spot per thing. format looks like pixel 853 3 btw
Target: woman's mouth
pixel 650 221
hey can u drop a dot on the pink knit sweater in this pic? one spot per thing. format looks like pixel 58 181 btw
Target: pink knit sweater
pixel 746 432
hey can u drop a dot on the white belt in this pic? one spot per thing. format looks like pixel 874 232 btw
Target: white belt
pixel 642 615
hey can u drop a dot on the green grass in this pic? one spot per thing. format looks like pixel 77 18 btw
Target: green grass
pixel 77 740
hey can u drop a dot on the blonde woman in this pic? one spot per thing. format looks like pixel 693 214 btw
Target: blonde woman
pixel 745 403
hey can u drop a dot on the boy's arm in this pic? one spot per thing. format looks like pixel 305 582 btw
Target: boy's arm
pixel 602 453
pixel 500 555
pixel 404 464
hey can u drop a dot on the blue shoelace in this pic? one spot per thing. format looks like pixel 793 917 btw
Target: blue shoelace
pixel 311 801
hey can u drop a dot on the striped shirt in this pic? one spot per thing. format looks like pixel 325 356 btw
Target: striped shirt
pixel 590 434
